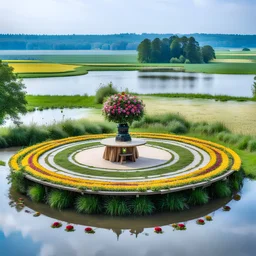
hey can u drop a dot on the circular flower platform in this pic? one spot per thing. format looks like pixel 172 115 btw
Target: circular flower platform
pixel 167 163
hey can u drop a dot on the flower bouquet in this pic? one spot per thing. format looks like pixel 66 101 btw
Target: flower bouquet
pixel 123 109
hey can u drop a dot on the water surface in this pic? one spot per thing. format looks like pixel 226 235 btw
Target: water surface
pixel 143 82
pixel 230 233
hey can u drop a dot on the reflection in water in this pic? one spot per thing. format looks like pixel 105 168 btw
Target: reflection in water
pixel 149 82
pixel 230 233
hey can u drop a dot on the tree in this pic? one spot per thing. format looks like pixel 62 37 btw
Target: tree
pixel 166 51
pixel 156 46
pixel 246 49
pixel 193 51
pixel 208 53
pixel 144 51
pixel 175 48
pixel 12 94
pixel 254 87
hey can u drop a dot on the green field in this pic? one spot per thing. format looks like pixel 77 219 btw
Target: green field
pixel 227 62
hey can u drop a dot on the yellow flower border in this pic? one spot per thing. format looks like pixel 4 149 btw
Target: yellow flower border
pixel 27 160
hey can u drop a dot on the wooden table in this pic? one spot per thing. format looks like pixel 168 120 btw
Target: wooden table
pixel 114 149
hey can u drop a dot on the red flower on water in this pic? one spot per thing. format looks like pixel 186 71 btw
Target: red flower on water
pixel 226 208
pixel 181 225
pixel 158 230
pixel 89 230
pixel 200 222
pixel 56 225
pixel 69 228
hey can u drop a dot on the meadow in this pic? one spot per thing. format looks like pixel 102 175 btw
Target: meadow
pixel 226 62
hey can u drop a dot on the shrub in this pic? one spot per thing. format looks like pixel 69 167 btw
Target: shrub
pixel 36 193
pixel 252 145
pixel 221 189
pixel 117 206
pixel 2 163
pixel 56 132
pixel 36 134
pixel 19 183
pixel 142 206
pixel 182 59
pixel 228 137
pixel 187 61
pixel 198 197
pixel 60 199
pixel 73 128
pixel 209 129
pixel 88 204
pixel 17 136
pixel 176 126
pixel 3 143
pixel 105 91
pixel 173 202
pixel 243 142
pixel 175 60
pixel 236 180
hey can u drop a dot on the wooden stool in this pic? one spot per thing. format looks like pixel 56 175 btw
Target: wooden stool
pixel 123 157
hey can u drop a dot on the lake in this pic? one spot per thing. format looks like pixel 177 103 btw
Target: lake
pixel 230 233
pixel 143 82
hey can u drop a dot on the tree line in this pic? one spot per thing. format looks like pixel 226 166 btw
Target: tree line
pixel 175 50
pixel 128 41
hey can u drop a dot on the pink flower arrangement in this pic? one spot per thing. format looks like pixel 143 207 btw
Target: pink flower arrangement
pixel 89 230
pixel 123 108
pixel 158 230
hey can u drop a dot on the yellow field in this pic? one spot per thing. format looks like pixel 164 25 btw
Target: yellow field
pixel 42 67
pixel 233 60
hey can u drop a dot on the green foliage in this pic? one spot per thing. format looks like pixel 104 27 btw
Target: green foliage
pixel 105 91
pixel 72 128
pixel 221 189
pixel 192 51
pixel 19 183
pixel 156 47
pixel 198 197
pixel 144 51
pixel 246 49
pixel 208 53
pixel 243 142
pixel 117 206
pixel 177 127
pixel 252 145
pixel 209 129
pixel 60 199
pixel 236 180
pixel 175 60
pixel 175 48
pixel 36 193
pixel 173 202
pixel 228 137
pixel 187 61
pixel 3 143
pixel 12 94
pixel 142 205
pixel 254 88
pixel 2 163
pixel 88 204
pixel 56 132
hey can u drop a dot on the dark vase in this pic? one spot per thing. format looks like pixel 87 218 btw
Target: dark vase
pixel 123 133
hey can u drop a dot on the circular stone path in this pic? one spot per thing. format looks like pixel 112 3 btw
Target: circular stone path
pixel 148 157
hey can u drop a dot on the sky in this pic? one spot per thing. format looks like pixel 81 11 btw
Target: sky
pixel 127 16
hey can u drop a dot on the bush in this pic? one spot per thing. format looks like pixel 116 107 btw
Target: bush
pixel 36 134
pixel 236 180
pixel 117 206
pixel 36 193
pixel 56 132
pixel 209 129
pixel 3 143
pixel 173 202
pixel 105 91
pixel 73 128
pixel 88 204
pixel 142 206
pixel 198 197
pixel 175 60
pixel 221 189
pixel 228 137
pixel 187 61
pixel 182 59
pixel 243 142
pixel 19 183
pixel 176 127
pixel 252 145
pixel 60 199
